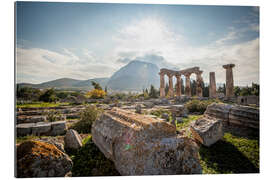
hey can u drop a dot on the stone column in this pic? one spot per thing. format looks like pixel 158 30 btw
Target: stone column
pixel 178 85
pixel 199 84
pixel 162 86
pixel 187 89
pixel 229 80
pixel 212 87
pixel 170 93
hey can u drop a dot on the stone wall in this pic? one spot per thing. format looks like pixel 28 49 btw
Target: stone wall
pixel 235 115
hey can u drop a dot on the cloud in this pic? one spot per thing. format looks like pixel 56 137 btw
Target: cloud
pixel 35 65
pixel 152 41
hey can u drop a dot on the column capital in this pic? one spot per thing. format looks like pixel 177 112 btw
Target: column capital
pixel 187 75
pixel 228 66
pixel 170 75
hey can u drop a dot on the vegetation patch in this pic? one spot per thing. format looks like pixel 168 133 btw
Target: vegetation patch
pixel 186 121
pixel 90 161
pixel 159 112
pixel 88 116
pixel 199 106
pixel 40 104
pixel 232 154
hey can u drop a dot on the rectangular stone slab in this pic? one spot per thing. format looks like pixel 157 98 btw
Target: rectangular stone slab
pixel 141 145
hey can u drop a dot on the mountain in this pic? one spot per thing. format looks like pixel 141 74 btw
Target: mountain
pixel 68 84
pixel 135 76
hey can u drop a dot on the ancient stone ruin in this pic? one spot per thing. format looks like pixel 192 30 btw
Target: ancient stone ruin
pixel 207 130
pixel 235 115
pixel 229 80
pixel 187 73
pixel 141 145
pixel 212 87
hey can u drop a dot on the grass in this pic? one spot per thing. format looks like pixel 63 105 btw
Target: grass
pixel 90 161
pixel 20 140
pixel 232 154
pixel 186 121
pixel 40 104
pixel 199 106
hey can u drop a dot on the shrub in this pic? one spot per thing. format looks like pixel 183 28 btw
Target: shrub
pixel 53 116
pixel 199 105
pixel 96 94
pixel 48 96
pixel 88 116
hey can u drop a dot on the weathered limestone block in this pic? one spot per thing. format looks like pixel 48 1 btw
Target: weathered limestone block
pixel 235 115
pixel 179 111
pixel 141 145
pixel 148 104
pixel 138 109
pixel 72 140
pixel 41 159
pixel 24 129
pixel 244 116
pixel 219 110
pixel 41 129
pixel 30 113
pixel 58 128
pixel 207 130
pixel 30 119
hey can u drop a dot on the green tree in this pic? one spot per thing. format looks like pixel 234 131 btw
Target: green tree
pixel 96 85
pixel 48 96
pixel 166 89
pixel 193 87
pixel 237 91
pixel 153 92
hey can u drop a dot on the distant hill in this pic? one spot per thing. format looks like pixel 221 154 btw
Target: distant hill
pixel 68 84
pixel 134 77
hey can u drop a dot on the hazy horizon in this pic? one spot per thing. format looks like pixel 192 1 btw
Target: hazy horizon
pixel 91 40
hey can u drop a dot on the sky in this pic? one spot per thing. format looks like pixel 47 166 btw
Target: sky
pixel 91 40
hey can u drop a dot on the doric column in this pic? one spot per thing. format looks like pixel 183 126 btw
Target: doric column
pixel 187 89
pixel 229 80
pixel 212 87
pixel 199 84
pixel 170 93
pixel 178 86
pixel 162 85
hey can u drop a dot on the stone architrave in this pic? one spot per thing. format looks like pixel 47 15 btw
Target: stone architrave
pixel 170 85
pixel 162 85
pixel 178 86
pixel 142 145
pixel 199 84
pixel 229 80
pixel 212 88
pixel 188 89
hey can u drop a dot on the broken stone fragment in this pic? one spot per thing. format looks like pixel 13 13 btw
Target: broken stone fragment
pixel 141 145
pixel 41 159
pixel 207 130
pixel 72 140
pixel 138 109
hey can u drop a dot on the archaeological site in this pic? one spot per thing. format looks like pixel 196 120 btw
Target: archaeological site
pixel 111 89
